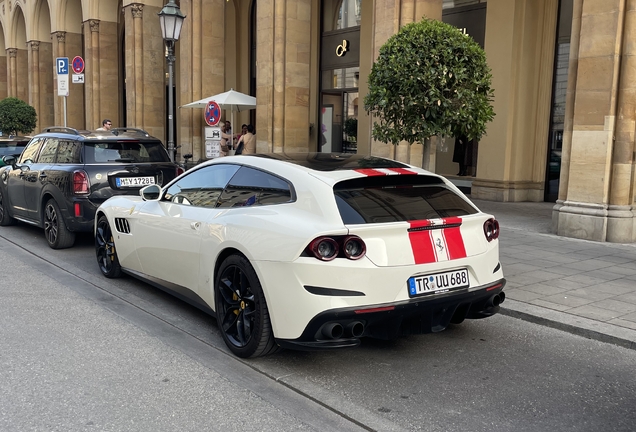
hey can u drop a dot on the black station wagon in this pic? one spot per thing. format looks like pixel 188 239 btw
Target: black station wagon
pixel 63 175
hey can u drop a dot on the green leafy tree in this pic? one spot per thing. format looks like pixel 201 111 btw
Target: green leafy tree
pixel 351 127
pixel 430 79
pixel 16 116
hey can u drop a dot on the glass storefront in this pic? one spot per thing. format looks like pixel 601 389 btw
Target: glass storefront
pixel 559 91
pixel 340 75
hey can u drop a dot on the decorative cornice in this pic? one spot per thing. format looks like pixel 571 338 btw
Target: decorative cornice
pixel 35 45
pixel 61 36
pixel 13 52
pixel 137 10
pixel 94 25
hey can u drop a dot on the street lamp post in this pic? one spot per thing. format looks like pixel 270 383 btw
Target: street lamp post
pixel 171 20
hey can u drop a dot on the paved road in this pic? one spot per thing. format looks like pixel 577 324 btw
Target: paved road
pixel 84 353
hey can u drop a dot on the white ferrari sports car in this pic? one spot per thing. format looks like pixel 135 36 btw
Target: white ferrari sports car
pixel 309 251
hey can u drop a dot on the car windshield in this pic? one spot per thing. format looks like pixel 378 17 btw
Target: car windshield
pixel 124 151
pixel 384 199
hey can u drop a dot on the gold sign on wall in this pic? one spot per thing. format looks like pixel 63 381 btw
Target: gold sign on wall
pixel 342 48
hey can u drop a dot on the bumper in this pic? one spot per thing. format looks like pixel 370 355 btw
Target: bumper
pixel 80 216
pixel 339 328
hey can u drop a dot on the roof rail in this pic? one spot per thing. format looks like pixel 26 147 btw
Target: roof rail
pixel 117 131
pixel 67 130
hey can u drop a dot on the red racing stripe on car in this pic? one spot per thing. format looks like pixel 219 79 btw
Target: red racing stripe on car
pixel 421 243
pixel 370 172
pixel 454 239
pixel 403 171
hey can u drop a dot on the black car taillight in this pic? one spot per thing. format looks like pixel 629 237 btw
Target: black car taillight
pixel 327 248
pixel 179 171
pixel 80 182
pixel 491 229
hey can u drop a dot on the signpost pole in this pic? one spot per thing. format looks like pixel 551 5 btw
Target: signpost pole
pixel 64 111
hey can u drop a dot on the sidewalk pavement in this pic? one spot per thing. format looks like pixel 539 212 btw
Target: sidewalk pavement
pixel 583 287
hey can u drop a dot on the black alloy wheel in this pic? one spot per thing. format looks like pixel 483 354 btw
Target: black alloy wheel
pixel 105 249
pixel 241 311
pixel 5 219
pixel 55 231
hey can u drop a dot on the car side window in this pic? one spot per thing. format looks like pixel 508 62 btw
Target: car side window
pixel 49 149
pixel 30 152
pixel 68 152
pixel 250 187
pixel 201 187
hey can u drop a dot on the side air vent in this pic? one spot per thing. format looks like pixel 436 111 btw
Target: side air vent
pixel 122 226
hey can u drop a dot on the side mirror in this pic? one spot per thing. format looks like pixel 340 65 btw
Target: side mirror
pixel 150 192
pixel 9 160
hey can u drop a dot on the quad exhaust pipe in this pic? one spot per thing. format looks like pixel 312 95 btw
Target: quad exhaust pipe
pixel 336 330
pixel 496 300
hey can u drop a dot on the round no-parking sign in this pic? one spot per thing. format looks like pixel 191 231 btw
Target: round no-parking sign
pixel 212 113
pixel 78 64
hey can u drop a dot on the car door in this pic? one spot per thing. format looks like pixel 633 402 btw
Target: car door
pixel 16 179
pixel 169 231
pixel 36 179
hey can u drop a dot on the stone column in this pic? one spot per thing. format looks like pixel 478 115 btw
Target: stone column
pixel 34 79
pixel 12 73
pixel 95 119
pixel 4 82
pixel 201 63
pixel 621 223
pixel 570 99
pixel 520 43
pixel 137 13
pixel 603 87
pixel 282 88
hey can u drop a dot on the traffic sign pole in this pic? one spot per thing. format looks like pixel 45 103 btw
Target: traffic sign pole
pixel 61 64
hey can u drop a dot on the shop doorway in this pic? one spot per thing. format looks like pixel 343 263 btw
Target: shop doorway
pixel 339 121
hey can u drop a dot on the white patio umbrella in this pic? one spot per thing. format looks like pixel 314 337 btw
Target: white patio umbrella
pixel 230 100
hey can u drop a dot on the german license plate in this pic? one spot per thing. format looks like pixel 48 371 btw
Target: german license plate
pixel 438 282
pixel 134 181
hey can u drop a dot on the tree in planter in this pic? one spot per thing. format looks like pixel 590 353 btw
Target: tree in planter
pixel 16 116
pixel 351 128
pixel 430 79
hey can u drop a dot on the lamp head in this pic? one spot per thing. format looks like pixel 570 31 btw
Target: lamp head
pixel 171 19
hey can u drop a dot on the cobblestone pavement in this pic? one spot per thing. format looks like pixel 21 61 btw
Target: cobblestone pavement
pixel 584 287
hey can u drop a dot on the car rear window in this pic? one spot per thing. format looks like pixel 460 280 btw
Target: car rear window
pixel 398 198
pixel 124 151
pixel 9 148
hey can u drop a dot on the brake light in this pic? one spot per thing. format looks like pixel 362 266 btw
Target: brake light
pixel 327 248
pixel 179 171
pixel 80 182
pixel 491 229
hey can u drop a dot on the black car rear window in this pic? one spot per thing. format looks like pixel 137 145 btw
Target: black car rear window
pixel 10 148
pixel 397 198
pixel 124 151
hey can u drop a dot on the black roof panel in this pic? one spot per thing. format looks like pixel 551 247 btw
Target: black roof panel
pixel 333 161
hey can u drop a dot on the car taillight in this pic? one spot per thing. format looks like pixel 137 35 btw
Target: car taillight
pixel 353 247
pixel 80 182
pixel 327 248
pixel 179 171
pixel 491 229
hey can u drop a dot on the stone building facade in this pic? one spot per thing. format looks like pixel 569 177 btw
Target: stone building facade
pixel 563 74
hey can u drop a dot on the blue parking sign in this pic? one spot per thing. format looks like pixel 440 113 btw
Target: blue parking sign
pixel 61 64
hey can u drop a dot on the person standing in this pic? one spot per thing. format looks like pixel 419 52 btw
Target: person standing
pixel 462 153
pixel 247 143
pixel 106 125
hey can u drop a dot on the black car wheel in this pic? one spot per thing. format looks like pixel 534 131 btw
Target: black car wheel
pixel 105 249
pixel 241 311
pixel 5 219
pixel 55 231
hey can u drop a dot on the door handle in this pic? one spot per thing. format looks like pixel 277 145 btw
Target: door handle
pixel 195 225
